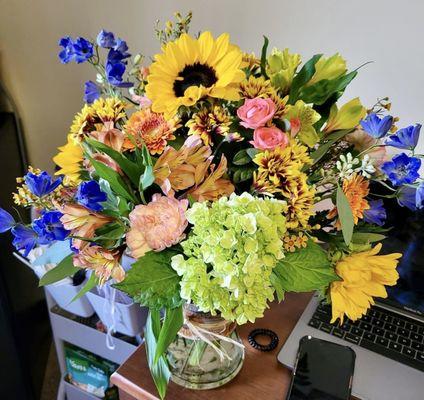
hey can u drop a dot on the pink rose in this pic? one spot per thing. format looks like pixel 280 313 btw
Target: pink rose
pixel 256 112
pixel 156 225
pixel 269 138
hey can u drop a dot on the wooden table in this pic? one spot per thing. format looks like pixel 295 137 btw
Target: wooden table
pixel 262 376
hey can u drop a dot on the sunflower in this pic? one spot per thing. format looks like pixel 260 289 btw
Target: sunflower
pixel 363 276
pixel 356 189
pixel 149 128
pixel 190 69
pixel 207 123
pixel 69 160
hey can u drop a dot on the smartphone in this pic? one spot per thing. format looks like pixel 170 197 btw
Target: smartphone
pixel 322 371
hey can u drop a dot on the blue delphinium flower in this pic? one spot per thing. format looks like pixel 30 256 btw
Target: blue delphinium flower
pixel 406 138
pixel 90 195
pixel 419 196
pixel 121 47
pixel 49 227
pixel 83 50
pixel 6 221
pixel 91 92
pixel 406 197
pixel 375 126
pixel 116 64
pixel 376 214
pixel 67 54
pixel 41 184
pixel 106 39
pixel 24 238
pixel 402 169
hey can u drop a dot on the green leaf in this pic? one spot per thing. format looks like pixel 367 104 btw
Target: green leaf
pixel 92 281
pixel 241 158
pixel 251 152
pixel 305 270
pixel 62 270
pixel 321 91
pixel 152 282
pixel 367 237
pixel 115 181
pixel 113 231
pixel 172 323
pixel 147 178
pixel 263 57
pixel 147 159
pixel 130 168
pixel 244 173
pixel 302 78
pixel 275 281
pixel 330 140
pixel 159 370
pixel 345 215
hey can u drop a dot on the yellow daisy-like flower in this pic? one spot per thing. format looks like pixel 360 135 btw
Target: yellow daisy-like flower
pixel 289 243
pixel 251 62
pixel 363 276
pixel 356 188
pixel 208 122
pixel 256 87
pixel 69 160
pixel 190 69
pixel 101 111
pixel 149 128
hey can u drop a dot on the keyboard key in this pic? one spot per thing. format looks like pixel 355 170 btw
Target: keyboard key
pixel 345 327
pixel 421 330
pixel 378 323
pixel 408 352
pixel 322 317
pixel 386 318
pixel 390 327
pixel 399 322
pixel 326 327
pixel 352 338
pixel 391 335
pixel 411 327
pixel 338 332
pixel 404 341
pixel 377 331
pixel 369 336
pixel 402 332
pixel 420 357
pixel 356 331
pixel 314 323
pixel 416 336
pixel 417 346
pixel 373 313
pixel 366 318
pixel 395 346
pixel 382 341
pixel 365 326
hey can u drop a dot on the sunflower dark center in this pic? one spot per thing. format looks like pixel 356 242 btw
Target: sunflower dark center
pixel 194 75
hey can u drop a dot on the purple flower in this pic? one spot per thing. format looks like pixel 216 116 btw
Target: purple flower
pixel 90 195
pixel 375 126
pixel 406 138
pixel 49 227
pixel 106 39
pixel 376 214
pixel 41 184
pixel 67 54
pixel 91 92
pixel 6 221
pixel 24 238
pixel 402 169
pixel 406 197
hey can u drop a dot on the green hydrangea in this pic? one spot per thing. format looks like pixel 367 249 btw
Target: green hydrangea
pixel 234 245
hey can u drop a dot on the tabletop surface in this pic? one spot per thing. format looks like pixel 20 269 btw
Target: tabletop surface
pixel 262 376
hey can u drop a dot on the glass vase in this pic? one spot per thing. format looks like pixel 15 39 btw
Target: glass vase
pixel 207 352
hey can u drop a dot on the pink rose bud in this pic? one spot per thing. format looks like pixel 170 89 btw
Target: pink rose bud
pixel 269 138
pixel 256 112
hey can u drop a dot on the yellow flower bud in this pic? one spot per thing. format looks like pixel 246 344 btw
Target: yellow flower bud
pixel 328 68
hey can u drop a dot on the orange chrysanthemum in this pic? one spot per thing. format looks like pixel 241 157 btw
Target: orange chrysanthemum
pixel 356 188
pixel 149 128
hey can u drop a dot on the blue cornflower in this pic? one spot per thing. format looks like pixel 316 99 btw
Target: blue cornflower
pixel 6 221
pixel 106 39
pixel 375 126
pixel 402 169
pixel 24 238
pixel 376 214
pixel 90 195
pixel 91 92
pixel 49 227
pixel 407 197
pixel 41 184
pixel 67 54
pixel 83 50
pixel 419 196
pixel 406 138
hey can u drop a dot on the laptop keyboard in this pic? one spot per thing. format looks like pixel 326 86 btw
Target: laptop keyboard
pixel 384 332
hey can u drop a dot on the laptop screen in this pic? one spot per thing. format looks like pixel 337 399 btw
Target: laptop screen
pixel 406 237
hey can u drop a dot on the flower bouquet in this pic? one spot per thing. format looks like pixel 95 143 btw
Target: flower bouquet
pixel 230 180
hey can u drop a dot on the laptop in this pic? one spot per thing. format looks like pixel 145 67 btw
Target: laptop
pixel 389 339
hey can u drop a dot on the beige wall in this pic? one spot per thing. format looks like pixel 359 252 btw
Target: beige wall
pixel 388 32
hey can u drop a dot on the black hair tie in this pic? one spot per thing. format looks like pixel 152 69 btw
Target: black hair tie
pixel 273 343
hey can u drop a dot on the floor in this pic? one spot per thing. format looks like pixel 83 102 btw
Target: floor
pixel 51 377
